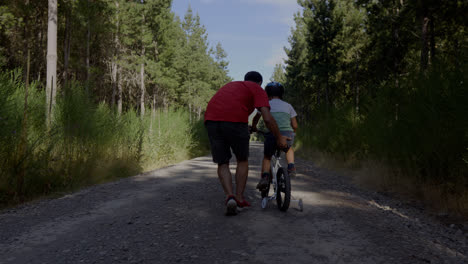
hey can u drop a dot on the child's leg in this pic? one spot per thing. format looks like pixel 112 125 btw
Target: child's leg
pixel 265 178
pixel 290 156
pixel 266 164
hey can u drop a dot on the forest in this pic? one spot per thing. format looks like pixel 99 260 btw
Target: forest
pixel 385 82
pixel 92 90
pixel 123 85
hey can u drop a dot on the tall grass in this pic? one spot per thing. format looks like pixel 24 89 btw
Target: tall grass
pixel 86 143
pixel 418 130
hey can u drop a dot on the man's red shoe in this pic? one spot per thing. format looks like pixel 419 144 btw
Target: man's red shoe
pixel 243 204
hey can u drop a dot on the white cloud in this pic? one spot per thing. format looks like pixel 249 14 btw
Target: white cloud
pixel 207 1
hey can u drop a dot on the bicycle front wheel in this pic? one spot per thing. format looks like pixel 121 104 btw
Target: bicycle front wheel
pixel 283 190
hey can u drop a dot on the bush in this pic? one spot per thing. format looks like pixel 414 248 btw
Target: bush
pixel 86 143
pixel 420 127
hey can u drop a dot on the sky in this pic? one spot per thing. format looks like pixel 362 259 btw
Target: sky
pixel 252 32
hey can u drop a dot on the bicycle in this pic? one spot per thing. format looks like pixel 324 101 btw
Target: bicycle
pixel 281 184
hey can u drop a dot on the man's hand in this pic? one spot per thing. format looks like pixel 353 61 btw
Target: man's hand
pixel 273 127
pixel 252 129
pixel 282 142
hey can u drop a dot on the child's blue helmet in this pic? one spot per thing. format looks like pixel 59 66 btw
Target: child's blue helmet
pixel 274 89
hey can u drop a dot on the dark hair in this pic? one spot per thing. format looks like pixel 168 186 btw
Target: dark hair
pixel 274 89
pixel 253 76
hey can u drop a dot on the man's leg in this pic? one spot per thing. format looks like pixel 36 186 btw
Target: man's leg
pixel 221 155
pixel 225 177
pixel 239 140
pixel 242 172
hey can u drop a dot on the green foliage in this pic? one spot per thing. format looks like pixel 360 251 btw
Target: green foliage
pixel 140 55
pixel 201 75
pixel 278 74
pixel 170 137
pixel 429 130
pixel 181 68
pixel 396 78
pixel 87 143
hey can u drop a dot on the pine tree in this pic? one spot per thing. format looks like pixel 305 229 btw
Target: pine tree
pixel 278 74
pixel 301 92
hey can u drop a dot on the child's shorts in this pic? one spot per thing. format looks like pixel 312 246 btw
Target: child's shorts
pixel 269 146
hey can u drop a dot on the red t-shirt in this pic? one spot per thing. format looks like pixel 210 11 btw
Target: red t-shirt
pixel 235 101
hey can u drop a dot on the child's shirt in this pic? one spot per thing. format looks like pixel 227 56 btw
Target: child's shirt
pixel 282 112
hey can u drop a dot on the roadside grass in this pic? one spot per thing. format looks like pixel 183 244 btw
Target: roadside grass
pixel 410 140
pixel 380 177
pixel 86 143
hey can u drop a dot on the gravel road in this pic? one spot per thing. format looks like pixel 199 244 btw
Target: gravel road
pixel 176 215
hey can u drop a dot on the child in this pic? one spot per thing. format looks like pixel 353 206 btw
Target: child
pixel 285 117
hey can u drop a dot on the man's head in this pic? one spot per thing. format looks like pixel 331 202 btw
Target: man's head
pixel 253 76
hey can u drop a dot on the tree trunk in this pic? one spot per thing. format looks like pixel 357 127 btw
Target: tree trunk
pixel 166 106
pixel 190 112
pixel 88 40
pixel 142 85
pixel 356 90
pixel 119 86
pixel 66 47
pixel 51 82
pixel 114 64
pixel 24 126
pixel 159 125
pixel 432 39
pixel 153 113
pixel 396 58
pixel 142 72
pixel 114 81
pixel 327 98
pixel 424 42
pixel 42 50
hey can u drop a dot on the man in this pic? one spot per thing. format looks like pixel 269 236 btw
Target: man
pixel 226 120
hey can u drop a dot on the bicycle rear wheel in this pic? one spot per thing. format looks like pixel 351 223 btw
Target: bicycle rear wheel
pixel 283 190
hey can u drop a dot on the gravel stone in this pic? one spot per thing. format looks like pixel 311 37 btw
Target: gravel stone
pixel 176 215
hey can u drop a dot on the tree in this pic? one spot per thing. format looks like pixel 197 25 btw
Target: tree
pixel 51 90
pixel 196 87
pixel 278 74
pixel 324 25
pixel 301 92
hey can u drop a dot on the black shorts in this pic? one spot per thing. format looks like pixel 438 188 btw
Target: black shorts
pixel 225 136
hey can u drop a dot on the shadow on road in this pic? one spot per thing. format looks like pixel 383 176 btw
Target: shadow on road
pixel 176 215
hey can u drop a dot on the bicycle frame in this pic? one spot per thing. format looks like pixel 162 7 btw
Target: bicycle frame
pixel 274 166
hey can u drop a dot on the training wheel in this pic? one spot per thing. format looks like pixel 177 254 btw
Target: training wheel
pixel 264 202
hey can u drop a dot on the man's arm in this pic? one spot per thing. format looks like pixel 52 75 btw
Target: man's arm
pixel 273 127
pixel 255 121
pixel 294 124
